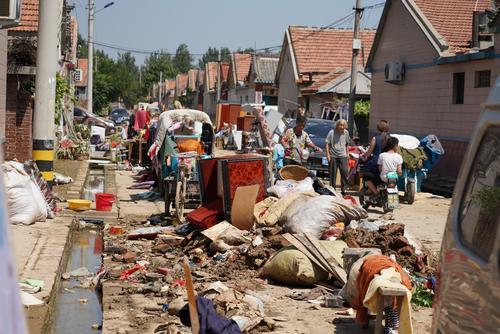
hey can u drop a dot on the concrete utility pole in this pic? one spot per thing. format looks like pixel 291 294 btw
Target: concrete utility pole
pixel 218 76
pixel 159 88
pixel 90 61
pixel 356 46
pixel 45 87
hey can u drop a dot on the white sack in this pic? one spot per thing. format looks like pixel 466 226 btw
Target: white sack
pixel 317 214
pixel 283 188
pixel 25 202
pixel 407 141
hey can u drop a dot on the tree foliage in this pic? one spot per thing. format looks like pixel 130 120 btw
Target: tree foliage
pixel 183 59
pixel 82 47
pixel 155 64
pixel 212 54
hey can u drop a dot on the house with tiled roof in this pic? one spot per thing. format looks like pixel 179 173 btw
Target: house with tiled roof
pixel 238 90
pixel 261 78
pixel 81 78
pixel 432 65
pixel 181 86
pixel 312 54
pixel 210 85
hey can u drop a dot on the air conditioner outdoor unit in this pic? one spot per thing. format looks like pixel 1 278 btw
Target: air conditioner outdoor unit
pixel 395 72
pixel 10 13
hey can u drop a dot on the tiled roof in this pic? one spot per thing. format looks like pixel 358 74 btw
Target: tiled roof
pixel 241 65
pixel 453 19
pixel 323 50
pixel 201 77
pixel 211 73
pixel 170 84
pixel 81 64
pixel 323 80
pixel 29 16
pixel 265 68
pixel 181 82
pixel 192 77
pixel 224 71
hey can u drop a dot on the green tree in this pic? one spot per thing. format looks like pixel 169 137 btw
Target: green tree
pixel 212 54
pixel 125 80
pixel 101 93
pixel 183 59
pixel 82 47
pixel 246 50
pixel 155 64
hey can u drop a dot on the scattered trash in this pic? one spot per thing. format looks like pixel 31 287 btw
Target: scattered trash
pixel 79 272
pixel 30 300
pixel 83 300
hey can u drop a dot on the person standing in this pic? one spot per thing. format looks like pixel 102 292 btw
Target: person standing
pixel 336 153
pixel 297 142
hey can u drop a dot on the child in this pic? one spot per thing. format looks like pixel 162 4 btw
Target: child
pixel 390 161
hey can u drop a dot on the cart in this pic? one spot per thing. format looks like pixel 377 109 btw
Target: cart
pixel 182 186
pixel 181 183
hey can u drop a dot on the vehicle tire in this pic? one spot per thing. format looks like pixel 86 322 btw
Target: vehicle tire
pixel 410 192
pixel 362 202
pixel 180 196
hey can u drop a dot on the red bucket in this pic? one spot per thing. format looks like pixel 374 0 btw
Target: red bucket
pixel 104 202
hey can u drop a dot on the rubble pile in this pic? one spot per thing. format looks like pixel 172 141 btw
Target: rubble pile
pixel 391 240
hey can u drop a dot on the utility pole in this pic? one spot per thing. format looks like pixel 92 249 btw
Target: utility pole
pixel 45 87
pixel 218 77
pixel 159 88
pixel 90 61
pixel 356 46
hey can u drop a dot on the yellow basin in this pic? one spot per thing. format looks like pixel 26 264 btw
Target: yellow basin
pixel 79 204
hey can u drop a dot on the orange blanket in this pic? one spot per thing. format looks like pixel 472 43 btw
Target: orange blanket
pixel 372 266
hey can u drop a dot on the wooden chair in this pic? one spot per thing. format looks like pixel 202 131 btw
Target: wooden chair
pixel 387 293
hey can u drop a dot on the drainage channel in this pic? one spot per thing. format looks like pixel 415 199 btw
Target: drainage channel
pixel 78 306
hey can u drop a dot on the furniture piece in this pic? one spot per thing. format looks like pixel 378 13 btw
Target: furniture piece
pixel 244 123
pixel 131 145
pixel 387 293
pixel 220 177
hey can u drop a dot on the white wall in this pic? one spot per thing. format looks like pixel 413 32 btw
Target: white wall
pixel 288 90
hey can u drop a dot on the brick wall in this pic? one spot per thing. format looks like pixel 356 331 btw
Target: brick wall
pixel 18 121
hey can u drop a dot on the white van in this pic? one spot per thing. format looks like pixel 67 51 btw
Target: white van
pixel 468 293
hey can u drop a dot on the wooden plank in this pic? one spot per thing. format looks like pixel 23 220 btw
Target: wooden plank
pixel 338 271
pixel 312 250
pixel 291 239
pixel 193 312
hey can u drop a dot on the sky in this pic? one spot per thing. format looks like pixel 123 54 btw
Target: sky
pixel 149 25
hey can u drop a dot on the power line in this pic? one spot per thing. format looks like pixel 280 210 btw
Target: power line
pixel 339 22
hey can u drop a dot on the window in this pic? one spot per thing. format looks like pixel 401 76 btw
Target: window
pixel 482 79
pixel 480 208
pixel 78 75
pixel 458 88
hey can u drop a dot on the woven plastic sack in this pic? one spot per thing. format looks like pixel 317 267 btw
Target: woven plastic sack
pixel 290 266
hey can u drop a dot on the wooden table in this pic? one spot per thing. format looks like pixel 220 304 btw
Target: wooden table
pixel 131 143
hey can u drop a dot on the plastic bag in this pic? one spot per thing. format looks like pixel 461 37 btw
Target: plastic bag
pixel 283 188
pixel 26 203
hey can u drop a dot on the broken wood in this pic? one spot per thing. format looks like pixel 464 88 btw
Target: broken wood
pixel 338 271
pixel 193 311
pixel 297 244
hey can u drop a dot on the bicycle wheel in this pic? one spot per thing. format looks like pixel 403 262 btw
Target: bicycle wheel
pixel 180 196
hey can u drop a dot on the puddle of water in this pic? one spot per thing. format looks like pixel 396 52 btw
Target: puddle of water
pixel 71 315
pixel 94 184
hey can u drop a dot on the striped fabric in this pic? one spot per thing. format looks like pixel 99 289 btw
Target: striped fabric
pixel 32 169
